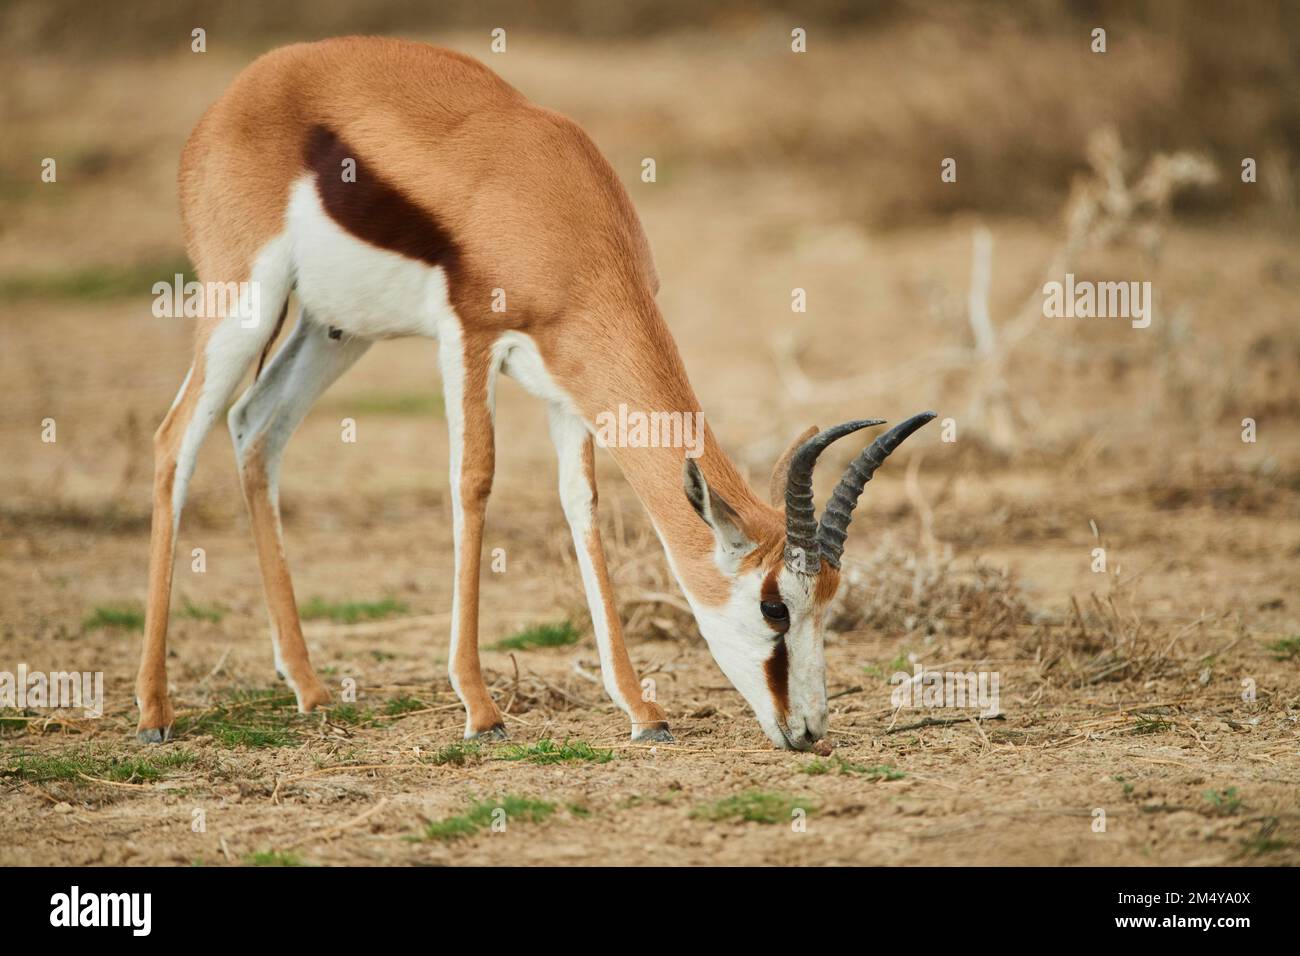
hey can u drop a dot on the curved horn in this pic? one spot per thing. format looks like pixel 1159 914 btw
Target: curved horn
pixel 801 548
pixel 834 526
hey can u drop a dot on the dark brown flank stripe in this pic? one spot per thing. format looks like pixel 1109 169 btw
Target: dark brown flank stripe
pixel 371 209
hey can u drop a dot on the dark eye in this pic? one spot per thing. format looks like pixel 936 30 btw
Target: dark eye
pixel 775 612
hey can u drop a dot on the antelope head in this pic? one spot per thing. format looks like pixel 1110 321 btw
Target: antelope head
pixel 768 635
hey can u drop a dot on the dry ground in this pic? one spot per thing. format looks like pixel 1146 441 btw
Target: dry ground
pixel 1133 707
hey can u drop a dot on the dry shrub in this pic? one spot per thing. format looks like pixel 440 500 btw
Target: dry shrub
pixel 902 594
pixel 1110 205
pixel 526 692
pixel 1117 203
pixel 1103 640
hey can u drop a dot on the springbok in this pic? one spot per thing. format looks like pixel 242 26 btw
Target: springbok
pixel 405 190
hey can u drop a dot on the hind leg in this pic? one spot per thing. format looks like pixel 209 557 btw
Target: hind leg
pixel 261 423
pixel 224 352
pixel 467 373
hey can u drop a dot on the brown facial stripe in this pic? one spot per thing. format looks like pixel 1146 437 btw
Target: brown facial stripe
pixel 777 669
pixel 370 208
pixel 770 592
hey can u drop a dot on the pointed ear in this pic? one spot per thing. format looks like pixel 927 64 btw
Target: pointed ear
pixel 715 511
pixel 781 470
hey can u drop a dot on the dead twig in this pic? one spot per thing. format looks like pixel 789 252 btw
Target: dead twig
pixel 942 722
pixel 336 830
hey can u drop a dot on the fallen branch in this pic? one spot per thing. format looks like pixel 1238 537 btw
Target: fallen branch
pixel 942 722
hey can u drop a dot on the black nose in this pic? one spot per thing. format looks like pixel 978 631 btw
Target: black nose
pixel 809 736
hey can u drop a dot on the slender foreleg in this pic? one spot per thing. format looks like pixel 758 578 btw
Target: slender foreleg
pixel 574 448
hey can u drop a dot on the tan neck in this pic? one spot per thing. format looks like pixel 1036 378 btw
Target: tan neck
pixel 642 370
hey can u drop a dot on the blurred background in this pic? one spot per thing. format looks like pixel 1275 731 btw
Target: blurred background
pixel 776 171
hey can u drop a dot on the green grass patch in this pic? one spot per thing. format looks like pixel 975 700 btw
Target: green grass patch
pixel 350 612
pixel 119 769
pixel 200 612
pixel 1258 846
pixel 548 751
pixel 456 754
pixel 484 814
pixel 1223 802
pixel 12 719
pixel 1286 649
pixel 117 617
pixel 402 705
pixel 451 828
pixel 1264 841
pixel 541 635
pixel 350 714
pixel 273 858
pixel 753 807
pixel 256 719
pixel 839 765
pixel 398 404
pixel 276 698
pixel 245 734
pixel 95 283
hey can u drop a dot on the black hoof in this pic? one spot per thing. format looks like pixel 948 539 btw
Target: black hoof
pixel 655 734
pixel 154 735
pixel 279 673
pixel 491 735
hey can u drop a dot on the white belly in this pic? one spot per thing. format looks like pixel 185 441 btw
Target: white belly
pixel 357 287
